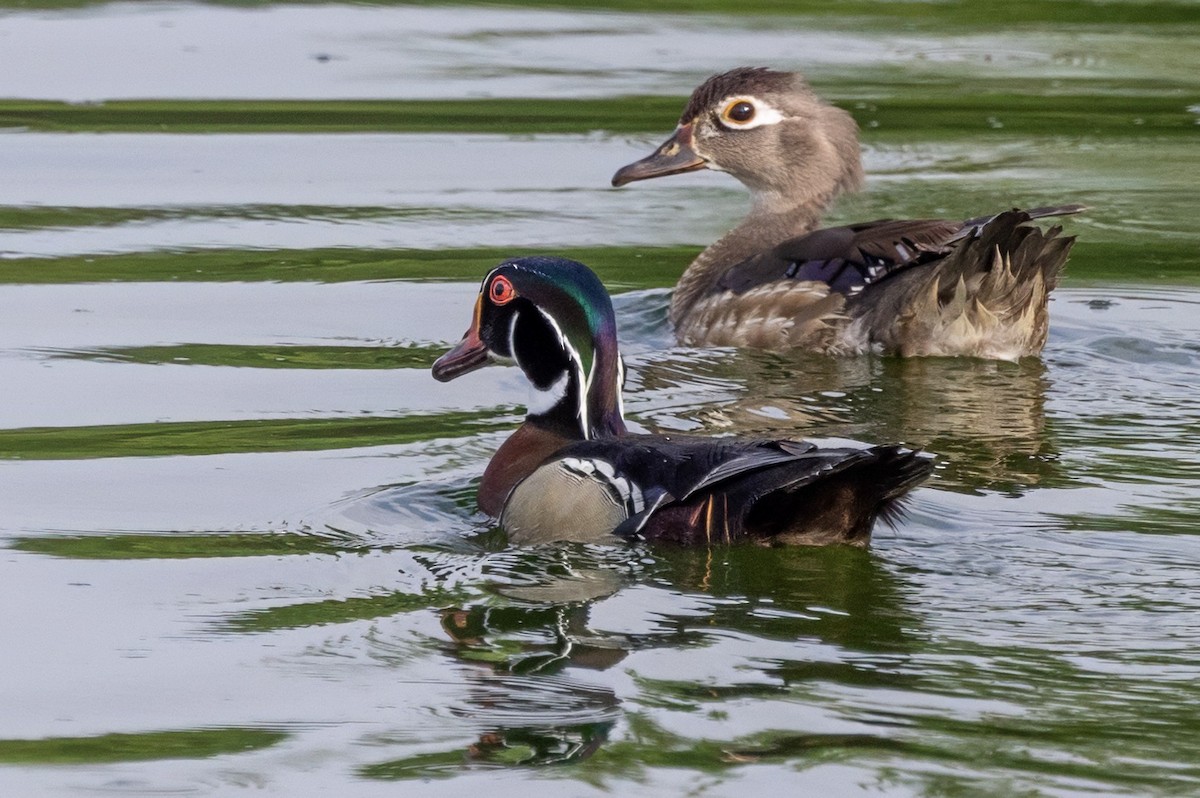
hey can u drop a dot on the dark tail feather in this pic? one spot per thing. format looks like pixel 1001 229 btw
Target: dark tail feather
pixel 1033 213
pixel 1032 249
pixel 843 503
pixel 900 470
pixel 1028 252
pixel 1055 210
pixel 1045 252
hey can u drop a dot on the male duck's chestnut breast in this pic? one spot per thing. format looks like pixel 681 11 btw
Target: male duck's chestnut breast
pixel 569 499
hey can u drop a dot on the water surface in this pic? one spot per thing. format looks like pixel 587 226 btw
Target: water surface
pixel 240 544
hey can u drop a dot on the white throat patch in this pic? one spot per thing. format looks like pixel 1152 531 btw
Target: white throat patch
pixel 543 401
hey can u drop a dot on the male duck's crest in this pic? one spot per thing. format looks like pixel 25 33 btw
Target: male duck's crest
pixel 572 473
pixel 922 287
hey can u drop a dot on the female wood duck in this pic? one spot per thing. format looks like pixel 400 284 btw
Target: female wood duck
pixel 571 472
pixel 921 287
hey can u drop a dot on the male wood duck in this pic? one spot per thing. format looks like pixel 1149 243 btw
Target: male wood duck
pixel 571 471
pixel 917 287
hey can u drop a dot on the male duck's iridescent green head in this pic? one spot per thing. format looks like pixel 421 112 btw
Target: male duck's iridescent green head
pixel 553 318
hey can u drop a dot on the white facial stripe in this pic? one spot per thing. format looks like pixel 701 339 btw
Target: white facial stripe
pixel 512 334
pixel 487 278
pixel 764 113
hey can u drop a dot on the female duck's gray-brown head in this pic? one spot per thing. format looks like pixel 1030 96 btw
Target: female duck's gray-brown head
pixel 553 319
pixel 767 129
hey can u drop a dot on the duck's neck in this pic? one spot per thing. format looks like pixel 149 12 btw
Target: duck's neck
pixel 606 414
pixel 583 405
pixel 785 203
pixel 770 222
pixel 597 416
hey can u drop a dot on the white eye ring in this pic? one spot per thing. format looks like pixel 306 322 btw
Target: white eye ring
pixel 764 114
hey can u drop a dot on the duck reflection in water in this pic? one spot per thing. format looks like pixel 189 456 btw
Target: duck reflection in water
pixel 986 420
pixel 838 611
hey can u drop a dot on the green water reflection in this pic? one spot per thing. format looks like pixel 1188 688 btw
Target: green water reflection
pixel 974 106
pixel 228 437
pixel 282 357
pixel 106 748
pixel 147 546
pixel 623 267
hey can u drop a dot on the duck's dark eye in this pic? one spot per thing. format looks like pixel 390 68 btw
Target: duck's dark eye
pixel 502 291
pixel 739 112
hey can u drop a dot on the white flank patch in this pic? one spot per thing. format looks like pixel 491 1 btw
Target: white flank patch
pixel 603 471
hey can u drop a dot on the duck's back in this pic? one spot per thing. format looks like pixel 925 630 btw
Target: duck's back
pixel 703 491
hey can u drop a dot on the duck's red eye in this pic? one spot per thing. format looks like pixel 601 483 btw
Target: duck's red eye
pixel 502 291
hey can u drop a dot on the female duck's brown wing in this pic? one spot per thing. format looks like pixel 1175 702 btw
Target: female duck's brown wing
pixel 799 293
pixel 850 258
pixel 846 259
